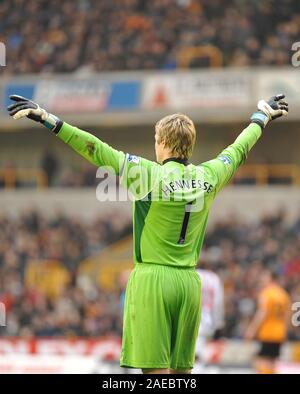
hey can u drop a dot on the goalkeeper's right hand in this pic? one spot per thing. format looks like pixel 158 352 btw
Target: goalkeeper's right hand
pixel 24 107
pixel 270 110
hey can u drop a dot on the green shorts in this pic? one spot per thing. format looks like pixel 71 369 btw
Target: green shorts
pixel 161 317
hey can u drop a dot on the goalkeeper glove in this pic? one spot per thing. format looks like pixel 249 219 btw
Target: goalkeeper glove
pixel 270 110
pixel 25 107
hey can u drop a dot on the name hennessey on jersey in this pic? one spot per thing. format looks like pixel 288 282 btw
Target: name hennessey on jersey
pixel 168 229
pixel 184 184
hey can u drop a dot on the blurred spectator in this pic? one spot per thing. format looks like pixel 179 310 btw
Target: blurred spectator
pixel 41 36
pixel 49 165
pixel 238 252
pixel 82 308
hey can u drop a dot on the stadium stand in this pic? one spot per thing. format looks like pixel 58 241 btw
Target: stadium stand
pixel 90 35
pixel 49 285
pixel 65 254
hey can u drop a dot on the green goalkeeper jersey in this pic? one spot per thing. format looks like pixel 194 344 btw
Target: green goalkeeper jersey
pixel 172 200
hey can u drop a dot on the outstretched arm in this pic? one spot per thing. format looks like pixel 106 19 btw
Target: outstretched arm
pixel 87 145
pixel 228 161
pixel 92 148
pixel 136 173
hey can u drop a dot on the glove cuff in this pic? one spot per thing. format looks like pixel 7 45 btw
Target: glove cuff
pixel 260 118
pixel 52 123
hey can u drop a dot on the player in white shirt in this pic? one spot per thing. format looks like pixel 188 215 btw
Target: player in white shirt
pixel 212 317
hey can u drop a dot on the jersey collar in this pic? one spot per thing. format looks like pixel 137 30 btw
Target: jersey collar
pixel 177 159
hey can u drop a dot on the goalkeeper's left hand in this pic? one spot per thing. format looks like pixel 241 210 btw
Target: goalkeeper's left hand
pixel 23 107
pixel 270 110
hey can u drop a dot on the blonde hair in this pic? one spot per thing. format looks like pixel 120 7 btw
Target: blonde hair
pixel 178 133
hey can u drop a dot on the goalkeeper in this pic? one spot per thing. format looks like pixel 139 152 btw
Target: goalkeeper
pixel 172 202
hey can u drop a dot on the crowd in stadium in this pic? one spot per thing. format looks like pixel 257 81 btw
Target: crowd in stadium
pixel 237 251
pixel 240 252
pixel 81 308
pixel 91 35
pixel 82 175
